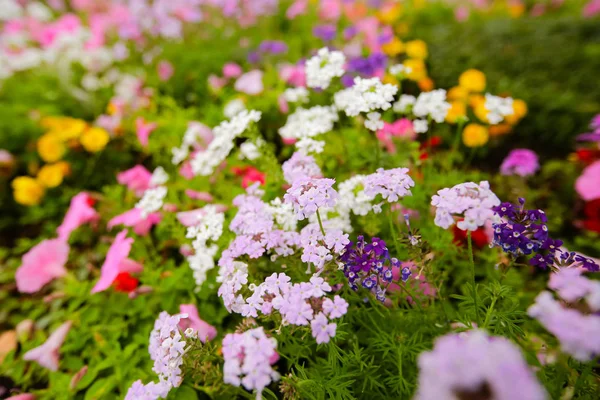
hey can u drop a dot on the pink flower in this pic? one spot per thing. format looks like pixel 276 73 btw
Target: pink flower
pixel 588 183
pixel 136 179
pixel 80 212
pixel 461 13
pixel 330 9
pixel 114 262
pixel 195 195
pixel 186 170
pixel 22 396
pixel 250 83
pixel 192 217
pixel 205 331
pixel 143 130
pixel 591 9
pixel 42 264
pixel 293 74
pixel 297 8
pixel 283 104
pixel 165 70
pixel 232 70
pixel 133 218
pixel 47 354
pixel 215 82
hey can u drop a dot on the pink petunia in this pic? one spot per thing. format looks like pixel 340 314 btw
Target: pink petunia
pixel 588 183
pixel 195 195
pixel 80 212
pixel 165 70
pixel 143 130
pixel 293 74
pixel 133 218
pixel 205 331
pixel 47 354
pixel 232 70
pixel 42 264
pixel 250 83
pixel 114 262
pixel 136 179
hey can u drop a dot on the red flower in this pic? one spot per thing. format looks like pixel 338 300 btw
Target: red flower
pixel 249 175
pixel 586 155
pixel 434 141
pixel 592 214
pixel 423 156
pixel 126 283
pixel 478 237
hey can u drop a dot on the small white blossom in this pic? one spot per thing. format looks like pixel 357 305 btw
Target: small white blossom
pixel 159 177
pixel 498 108
pixel 373 121
pixel 420 125
pixel 405 101
pixel 432 104
pixel 251 149
pixel 323 67
pixel 152 200
pixel 398 69
pixel 233 108
pixel 365 96
pixel 296 95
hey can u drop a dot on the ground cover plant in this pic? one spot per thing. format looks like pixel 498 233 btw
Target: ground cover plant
pixel 208 199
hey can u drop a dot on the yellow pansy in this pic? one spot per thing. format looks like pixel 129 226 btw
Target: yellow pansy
pixel 519 111
pixel 457 110
pixel 472 80
pixel 426 84
pixel 417 69
pixel 390 14
pixel 416 49
pixel 51 175
pixel 50 147
pixel 27 191
pixel 393 47
pixel 475 135
pixel 94 139
pixel 50 122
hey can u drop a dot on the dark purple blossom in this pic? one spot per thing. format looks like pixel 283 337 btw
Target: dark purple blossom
pixel 325 32
pixel 273 47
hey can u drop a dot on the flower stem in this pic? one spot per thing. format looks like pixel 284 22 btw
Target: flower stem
pixel 473 277
pixel 320 223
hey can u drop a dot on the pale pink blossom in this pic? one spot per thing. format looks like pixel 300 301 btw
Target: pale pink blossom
pixel 232 70
pixel 216 83
pixel 195 195
pixel 136 179
pixel 117 253
pixel 297 8
pixel 588 183
pixel 293 74
pixel 165 70
pixel 80 212
pixel 47 354
pixel 250 83
pixel 330 9
pixel 133 218
pixel 42 264
pixel 204 330
pixel 22 396
pixel 143 130
pixel 192 217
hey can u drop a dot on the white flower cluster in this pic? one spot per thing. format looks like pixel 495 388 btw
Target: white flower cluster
pixel 283 213
pixel 323 67
pixel 296 95
pixel 305 124
pixel 373 121
pixel 159 177
pixel 250 149
pixel 233 108
pixel 225 133
pixel 152 200
pixel 352 197
pixel 471 200
pixel 365 96
pixel 404 102
pixel 432 104
pixel 190 137
pixel 498 107
pixel 210 227
pixel 399 69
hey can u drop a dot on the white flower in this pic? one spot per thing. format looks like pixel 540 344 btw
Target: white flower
pixel 352 197
pixel 251 150
pixel 323 67
pixel 179 154
pixel 284 214
pixel 37 10
pixel 420 125
pixel 373 121
pixel 209 227
pixel 10 9
pixel 90 82
pixel 405 101
pixel 498 108
pixel 398 69
pixel 159 177
pixel 365 96
pixel 152 200
pixel 432 104
pixel 309 122
pixel 296 95
pixel 308 146
pixel 233 108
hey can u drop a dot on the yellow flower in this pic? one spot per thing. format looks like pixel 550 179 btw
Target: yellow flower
pixel 516 9
pixel 417 69
pixel 390 14
pixel 519 111
pixel 458 109
pixel 394 47
pixel 475 135
pixel 27 191
pixel 50 122
pixel 112 108
pixel 476 100
pixel 500 129
pixel 458 93
pixel 401 28
pixel 94 139
pixel 416 49
pixel 50 147
pixel 426 84
pixel 481 112
pixel 472 80
pixel 70 128
pixel 51 175
pixel 391 79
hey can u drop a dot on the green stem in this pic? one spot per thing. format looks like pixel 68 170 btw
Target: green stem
pixel 488 314
pixel 320 223
pixel 393 231
pixel 473 277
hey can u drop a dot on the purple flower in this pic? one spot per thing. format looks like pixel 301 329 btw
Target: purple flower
pixel 350 32
pixel 522 162
pixel 273 47
pixel 308 194
pixel 253 57
pixel 300 166
pixel 391 184
pixel 335 308
pixel 322 330
pixel 367 66
pixel 475 365
pixel 347 80
pixel 325 32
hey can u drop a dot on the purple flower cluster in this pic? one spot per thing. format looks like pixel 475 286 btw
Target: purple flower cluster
pixel 272 47
pixel 369 265
pixel 594 135
pixel 325 32
pixel 308 194
pixel 474 365
pixel 149 391
pixel 367 66
pixel 300 166
pixel 298 304
pixel 319 249
pixel 522 162
pixel 391 184
pixel 577 331
pixel 248 359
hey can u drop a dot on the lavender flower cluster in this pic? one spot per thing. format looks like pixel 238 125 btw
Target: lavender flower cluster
pixel 308 194
pixel 369 265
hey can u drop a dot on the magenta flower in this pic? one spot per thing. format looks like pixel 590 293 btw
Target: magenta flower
pixel 232 70
pixel 80 212
pixel 133 218
pixel 195 195
pixel 250 83
pixel 116 256
pixel 587 184
pixel 165 70
pixel 204 330
pixel 47 354
pixel 143 130
pixel 136 179
pixel 522 162
pixel 42 264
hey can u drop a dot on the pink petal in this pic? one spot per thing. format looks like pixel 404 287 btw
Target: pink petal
pixel 195 195
pixel 133 218
pixel 131 266
pixel 588 184
pixel 192 217
pixel 22 396
pixel 47 354
pixel 118 251
pixel 165 70
pixel 136 179
pixel 250 83
pixel 80 212
pixel 143 130
pixel 232 70
pixel 204 329
pixel 42 264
